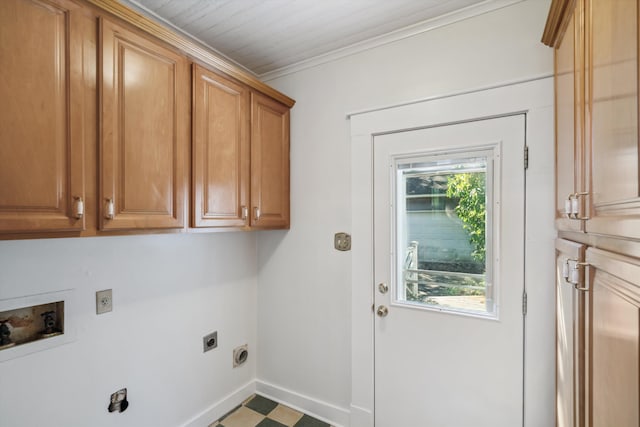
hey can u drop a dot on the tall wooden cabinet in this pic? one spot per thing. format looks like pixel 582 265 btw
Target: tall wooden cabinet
pixel 598 211
pixel 42 124
pixel 108 127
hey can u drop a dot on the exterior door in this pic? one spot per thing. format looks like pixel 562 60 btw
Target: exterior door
pixel 449 256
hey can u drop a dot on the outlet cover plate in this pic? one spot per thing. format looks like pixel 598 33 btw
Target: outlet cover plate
pixel 342 241
pixel 209 342
pixel 104 301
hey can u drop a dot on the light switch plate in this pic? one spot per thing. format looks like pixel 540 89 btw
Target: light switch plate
pixel 104 301
pixel 342 241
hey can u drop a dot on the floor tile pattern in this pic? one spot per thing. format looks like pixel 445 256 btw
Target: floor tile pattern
pixel 258 411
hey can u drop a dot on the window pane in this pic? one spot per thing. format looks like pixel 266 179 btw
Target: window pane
pixel 443 234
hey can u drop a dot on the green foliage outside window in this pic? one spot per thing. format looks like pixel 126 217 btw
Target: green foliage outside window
pixel 469 188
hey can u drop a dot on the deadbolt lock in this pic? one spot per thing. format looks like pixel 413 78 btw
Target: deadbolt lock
pixel 383 288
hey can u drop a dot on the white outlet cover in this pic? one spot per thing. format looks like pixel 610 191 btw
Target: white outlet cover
pixel 104 301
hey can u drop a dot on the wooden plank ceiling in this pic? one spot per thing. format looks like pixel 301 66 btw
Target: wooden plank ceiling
pixel 267 35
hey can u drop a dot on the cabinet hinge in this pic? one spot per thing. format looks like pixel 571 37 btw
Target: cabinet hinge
pixel 524 303
pixel 526 157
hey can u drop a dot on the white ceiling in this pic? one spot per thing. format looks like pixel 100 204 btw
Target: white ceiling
pixel 265 36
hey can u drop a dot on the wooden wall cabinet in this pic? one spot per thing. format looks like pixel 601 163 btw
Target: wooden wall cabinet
pixel 240 156
pixel 103 125
pixel 42 182
pixel 597 156
pixel 269 163
pixel 144 133
pixel 221 151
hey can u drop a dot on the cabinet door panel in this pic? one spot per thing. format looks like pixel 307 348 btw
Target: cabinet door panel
pixel 144 132
pixel 220 151
pixel 569 94
pixel 570 337
pixel 614 118
pixel 269 163
pixel 614 313
pixel 41 147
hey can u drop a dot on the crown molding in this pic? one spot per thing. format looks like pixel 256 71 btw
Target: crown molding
pixel 403 33
pixel 560 13
pixel 188 46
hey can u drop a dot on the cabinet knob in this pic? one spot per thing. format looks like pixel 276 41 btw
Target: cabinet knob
pixel 78 207
pixel 110 209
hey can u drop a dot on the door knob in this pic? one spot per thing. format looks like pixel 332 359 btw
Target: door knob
pixel 382 311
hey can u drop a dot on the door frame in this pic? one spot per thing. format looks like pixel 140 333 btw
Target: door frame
pixel 534 98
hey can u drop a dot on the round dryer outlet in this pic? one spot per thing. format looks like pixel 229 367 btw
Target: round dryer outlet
pixel 240 355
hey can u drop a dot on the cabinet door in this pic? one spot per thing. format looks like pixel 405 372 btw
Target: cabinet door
pixel 41 141
pixel 570 334
pixel 614 335
pixel 220 151
pixel 269 163
pixel 144 132
pixel 569 94
pixel 615 191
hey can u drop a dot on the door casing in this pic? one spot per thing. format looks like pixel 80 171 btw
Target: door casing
pixel 533 98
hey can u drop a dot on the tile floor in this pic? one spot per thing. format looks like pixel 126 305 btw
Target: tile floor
pixel 258 411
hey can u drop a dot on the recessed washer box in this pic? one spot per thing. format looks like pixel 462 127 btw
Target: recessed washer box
pixel 34 323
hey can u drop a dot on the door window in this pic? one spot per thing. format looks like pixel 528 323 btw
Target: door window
pixel 444 232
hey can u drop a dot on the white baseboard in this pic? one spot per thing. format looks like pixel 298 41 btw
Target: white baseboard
pixel 221 407
pixel 361 417
pixel 334 415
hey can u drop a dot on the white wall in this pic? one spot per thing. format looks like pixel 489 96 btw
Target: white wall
pixel 168 291
pixel 304 310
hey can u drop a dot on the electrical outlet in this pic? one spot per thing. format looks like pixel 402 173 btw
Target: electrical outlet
pixel 104 301
pixel 209 342
pixel 240 355
pixel 342 241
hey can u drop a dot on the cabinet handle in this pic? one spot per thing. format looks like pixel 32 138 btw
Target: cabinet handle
pixel 110 209
pixel 78 207
pixel 572 273
pixel 245 212
pixel 256 213
pixel 572 206
pixel 578 288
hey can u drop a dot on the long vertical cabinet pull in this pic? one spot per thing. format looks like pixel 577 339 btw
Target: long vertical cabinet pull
pixel 256 213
